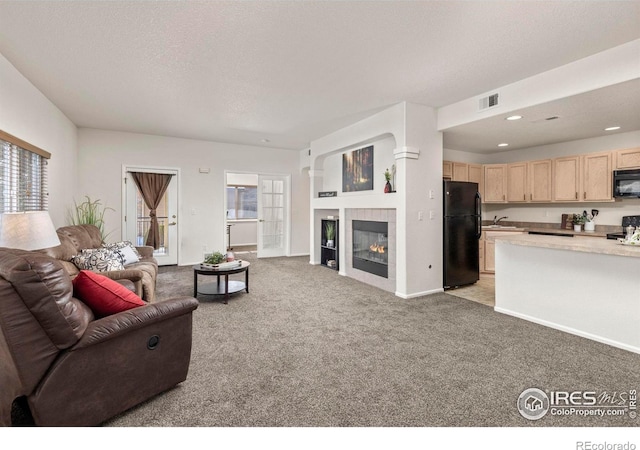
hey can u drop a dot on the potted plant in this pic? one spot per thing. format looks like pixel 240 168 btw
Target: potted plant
pixel 578 220
pixel 387 187
pixel 330 233
pixel 89 212
pixel 214 259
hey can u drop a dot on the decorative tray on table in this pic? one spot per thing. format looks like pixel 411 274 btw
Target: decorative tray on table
pixel 222 266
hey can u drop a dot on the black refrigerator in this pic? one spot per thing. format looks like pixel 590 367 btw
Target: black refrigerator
pixel 462 231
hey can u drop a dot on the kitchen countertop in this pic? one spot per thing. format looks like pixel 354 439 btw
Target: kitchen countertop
pixel 570 232
pixel 492 228
pixel 601 230
pixel 601 246
pixel 486 228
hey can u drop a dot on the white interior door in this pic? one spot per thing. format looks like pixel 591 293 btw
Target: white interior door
pixel 273 215
pixel 136 220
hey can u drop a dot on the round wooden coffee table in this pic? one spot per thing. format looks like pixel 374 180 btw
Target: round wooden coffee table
pixel 225 287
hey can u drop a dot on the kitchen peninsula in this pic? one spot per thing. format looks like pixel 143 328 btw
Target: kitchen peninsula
pixel 585 286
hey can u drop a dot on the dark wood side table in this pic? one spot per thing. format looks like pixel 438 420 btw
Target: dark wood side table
pixel 225 287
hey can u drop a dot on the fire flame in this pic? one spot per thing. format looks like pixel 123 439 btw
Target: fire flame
pixel 376 248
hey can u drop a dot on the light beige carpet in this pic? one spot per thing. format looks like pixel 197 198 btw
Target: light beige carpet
pixel 309 348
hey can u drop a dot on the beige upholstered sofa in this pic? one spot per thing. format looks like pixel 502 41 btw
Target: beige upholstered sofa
pixel 139 276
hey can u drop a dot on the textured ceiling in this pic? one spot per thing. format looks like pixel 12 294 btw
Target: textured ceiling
pixel 288 72
pixel 576 117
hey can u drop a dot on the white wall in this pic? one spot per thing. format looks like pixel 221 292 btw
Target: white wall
pixel 460 156
pixel 242 179
pixel 103 153
pixel 243 232
pixel 27 114
pixel 382 159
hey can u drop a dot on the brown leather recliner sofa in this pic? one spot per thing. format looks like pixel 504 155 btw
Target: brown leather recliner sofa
pixel 139 277
pixel 73 369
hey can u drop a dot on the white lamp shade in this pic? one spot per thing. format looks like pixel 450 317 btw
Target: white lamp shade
pixel 31 230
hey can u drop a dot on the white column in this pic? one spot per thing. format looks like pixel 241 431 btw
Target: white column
pixel 315 184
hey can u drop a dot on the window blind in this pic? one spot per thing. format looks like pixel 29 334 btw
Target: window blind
pixel 23 176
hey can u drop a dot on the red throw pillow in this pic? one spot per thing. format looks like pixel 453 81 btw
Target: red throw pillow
pixel 103 295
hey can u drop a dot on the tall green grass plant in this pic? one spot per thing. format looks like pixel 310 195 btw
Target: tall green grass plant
pixel 89 212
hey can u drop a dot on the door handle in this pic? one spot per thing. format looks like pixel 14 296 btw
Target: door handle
pixel 172 223
pixel 260 220
pixel 478 215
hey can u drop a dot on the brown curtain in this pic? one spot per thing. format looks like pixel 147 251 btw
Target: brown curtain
pixel 152 186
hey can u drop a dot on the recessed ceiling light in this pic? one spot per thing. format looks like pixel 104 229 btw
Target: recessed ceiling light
pixel 504 144
pixel 265 141
pixel 514 117
pixel 611 128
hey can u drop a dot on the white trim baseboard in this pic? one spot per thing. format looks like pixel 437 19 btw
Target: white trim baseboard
pixel 419 294
pixel 593 337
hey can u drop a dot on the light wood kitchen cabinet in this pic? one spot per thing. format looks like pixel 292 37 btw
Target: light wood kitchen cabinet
pixel 596 177
pixel 475 176
pixel 460 172
pixel 628 158
pixel 579 178
pixel 540 181
pixel 489 256
pixel 475 173
pixel 566 174
pixel 489 265
pixel 481 243
pixel 447 170
pixel 517 182
pixel 495 183
pixel 457 171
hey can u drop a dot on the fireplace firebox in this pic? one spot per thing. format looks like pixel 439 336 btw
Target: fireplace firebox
pixel 371 247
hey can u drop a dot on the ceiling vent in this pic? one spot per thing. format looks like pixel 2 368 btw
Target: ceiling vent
pixel 491 101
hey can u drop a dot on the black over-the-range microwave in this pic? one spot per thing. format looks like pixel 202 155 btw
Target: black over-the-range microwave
pixel 626 183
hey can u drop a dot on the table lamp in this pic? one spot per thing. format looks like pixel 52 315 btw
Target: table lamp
pixel 31 230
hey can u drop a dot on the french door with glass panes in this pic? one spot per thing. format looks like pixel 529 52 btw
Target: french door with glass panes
pixel 273 215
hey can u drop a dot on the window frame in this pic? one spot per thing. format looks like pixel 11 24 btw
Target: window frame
pixel 19 176
pixel 236 203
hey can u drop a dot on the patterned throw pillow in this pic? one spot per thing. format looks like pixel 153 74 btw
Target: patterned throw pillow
pixel 98 259
pixel 126 250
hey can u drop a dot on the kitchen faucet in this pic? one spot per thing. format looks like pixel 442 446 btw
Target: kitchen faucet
pixel 496 220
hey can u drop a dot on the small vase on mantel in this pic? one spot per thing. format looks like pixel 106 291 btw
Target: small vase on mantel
pixel 387 187
pixel 577 227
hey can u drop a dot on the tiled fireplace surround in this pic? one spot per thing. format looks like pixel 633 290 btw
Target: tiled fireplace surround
pixel 375 215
